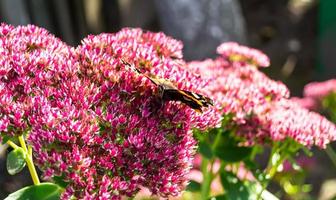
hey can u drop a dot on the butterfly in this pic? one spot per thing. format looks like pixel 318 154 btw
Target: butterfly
pixel 169 92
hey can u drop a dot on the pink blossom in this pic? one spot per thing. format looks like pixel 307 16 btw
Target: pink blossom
pixel 99 123
pixel 31 60
pixel 314 94
pixel 106 131
pixel 288 119
pixel 238 91
pixel 318 90
pixel 145 50
pixel 306 102
pixel 258 106
pixel 239 54
pixel 95 121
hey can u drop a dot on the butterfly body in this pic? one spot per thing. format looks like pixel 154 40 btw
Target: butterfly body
pixel 169 92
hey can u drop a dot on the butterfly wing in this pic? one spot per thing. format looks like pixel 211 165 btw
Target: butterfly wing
pixel 169 92
pixel 203 100
pixel 184 97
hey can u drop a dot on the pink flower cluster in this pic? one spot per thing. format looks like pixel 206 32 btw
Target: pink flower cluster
pixel 259 107
pixel 320 89
pixel 315 92
pixel 94 120
pixel 241 55
pixel 289 119
pixel 32 63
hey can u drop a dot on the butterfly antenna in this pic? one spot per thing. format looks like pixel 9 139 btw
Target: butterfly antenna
pixel 137 70
pixel 130 66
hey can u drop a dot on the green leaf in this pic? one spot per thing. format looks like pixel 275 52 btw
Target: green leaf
pixel 193 186
pixel 230 153
pixel 226 147
pixel 198 134
pixel 234 188
pixel 251 165
pixel 59 180
pixel 226 119
pixel 16 161
pixel 5 139
pixel 205 149
pixel 43 191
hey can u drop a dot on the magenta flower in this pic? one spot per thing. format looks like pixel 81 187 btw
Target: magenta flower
pixel 152 54
pixel 318 90
pixel 241 55
pixel 106 131
pixel 240 91
pixel 95 119
pixel 315 92
pixel 259 107
pixel 306 102
pixel 288 119
pixel 31 64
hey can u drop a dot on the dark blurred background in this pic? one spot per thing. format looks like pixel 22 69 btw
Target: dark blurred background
pixel 298 35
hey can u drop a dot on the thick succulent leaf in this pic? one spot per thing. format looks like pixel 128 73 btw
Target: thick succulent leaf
pixel 43 191
pixel 16 161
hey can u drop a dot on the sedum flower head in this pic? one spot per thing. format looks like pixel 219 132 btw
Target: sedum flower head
pixel 315 94
pixel 239 91
pixel 241 55
pixel 288 119
pixel 32 62
pixel 258 106
pixel 110 134
pixel 318 90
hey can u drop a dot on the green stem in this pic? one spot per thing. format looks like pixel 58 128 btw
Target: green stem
pixel 272 167
pixel 23 143
pixel 331 153
pixel 208 173
pixel 30 152
pixel 207 178
pixel 12 144
pixel 29 160
pixel 217 140
pixel 32 170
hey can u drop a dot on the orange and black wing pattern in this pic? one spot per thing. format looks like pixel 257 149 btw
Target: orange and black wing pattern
pixel 193 100
pixel 171 93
